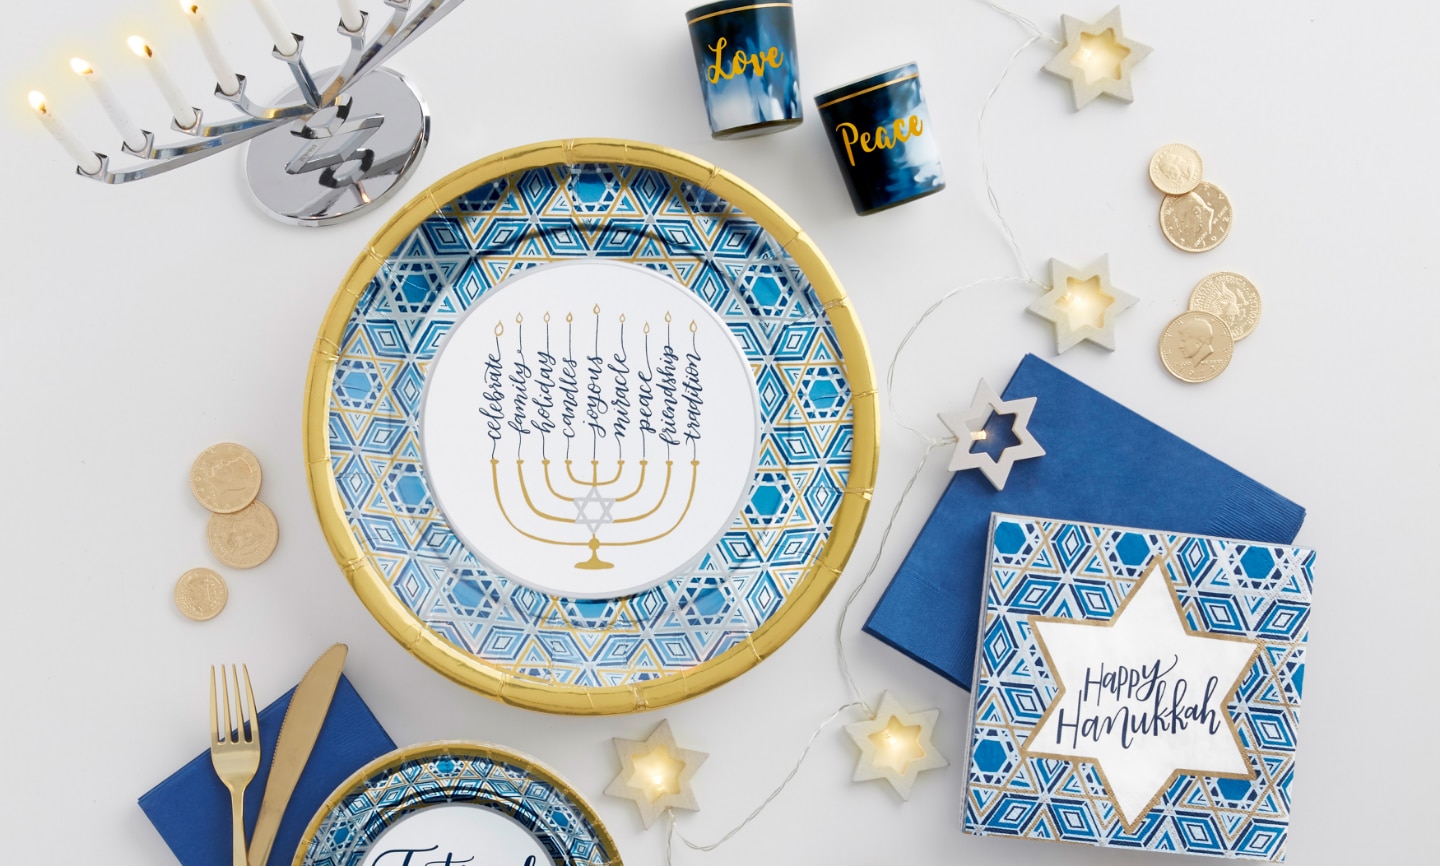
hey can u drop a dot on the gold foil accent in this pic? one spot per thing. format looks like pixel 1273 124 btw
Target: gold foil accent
pixel 870 89
pixel 327 348
pixel 737 9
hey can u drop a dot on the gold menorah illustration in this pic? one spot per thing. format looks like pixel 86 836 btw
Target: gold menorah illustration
pixel 555 381
pixel 592 500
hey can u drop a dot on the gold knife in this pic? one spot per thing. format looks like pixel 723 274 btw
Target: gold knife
pixel 303 719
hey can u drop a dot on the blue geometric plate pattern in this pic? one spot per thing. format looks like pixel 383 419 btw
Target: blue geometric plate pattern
pixel 432 774
pixel 709 247
pixel 1054 569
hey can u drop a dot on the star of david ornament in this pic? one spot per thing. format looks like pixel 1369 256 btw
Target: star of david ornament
pixel 1083 304
pixel 1097 58
pixel 895 745
pixel 655 773
pixel 968 425
pixel 585 515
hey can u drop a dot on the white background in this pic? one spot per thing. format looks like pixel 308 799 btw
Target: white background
pixel 146 322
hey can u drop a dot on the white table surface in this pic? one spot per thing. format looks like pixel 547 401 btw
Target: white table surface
pixel 145 322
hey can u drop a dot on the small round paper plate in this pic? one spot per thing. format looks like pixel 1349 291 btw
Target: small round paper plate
pixel 476 803
pixel 591 427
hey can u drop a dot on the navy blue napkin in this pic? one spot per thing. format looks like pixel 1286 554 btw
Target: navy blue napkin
pixel 191 809
pixel 1103 464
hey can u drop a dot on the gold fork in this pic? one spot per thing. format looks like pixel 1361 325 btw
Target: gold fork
pixel 235 749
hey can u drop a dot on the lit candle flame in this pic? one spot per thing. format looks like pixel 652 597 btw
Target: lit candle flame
pixel 139 47
pixel 81 67
pixel 37 101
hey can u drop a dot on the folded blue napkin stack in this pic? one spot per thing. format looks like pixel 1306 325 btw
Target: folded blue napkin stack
pixel 191 809
pixel 1103 464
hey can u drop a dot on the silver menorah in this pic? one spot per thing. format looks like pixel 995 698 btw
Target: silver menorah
pixel 323 153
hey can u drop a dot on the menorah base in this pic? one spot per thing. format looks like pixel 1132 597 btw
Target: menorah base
pixel 341 160
pixel 594 563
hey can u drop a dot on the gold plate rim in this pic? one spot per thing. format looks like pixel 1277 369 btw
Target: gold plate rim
pixel 471 748
pixel 535 694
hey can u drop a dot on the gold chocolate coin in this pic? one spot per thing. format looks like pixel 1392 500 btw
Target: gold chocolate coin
pixel 1198 220
pixel 1232 298
pixel 1175 169
pixel 200 594
pixel 1196 346
pixel 225 478
pixel 243 539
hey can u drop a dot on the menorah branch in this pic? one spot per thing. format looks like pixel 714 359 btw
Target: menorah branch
pixel 340 141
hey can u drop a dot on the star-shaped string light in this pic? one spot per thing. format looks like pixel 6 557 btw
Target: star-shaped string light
pixel 1097 58
pixel 655 773
pixel 895 745
pixel 968 425
pixel 1083 304
pixel 1195 676
pixel 582 508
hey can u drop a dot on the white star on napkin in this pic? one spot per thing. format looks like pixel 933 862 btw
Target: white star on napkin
pixel 1177 681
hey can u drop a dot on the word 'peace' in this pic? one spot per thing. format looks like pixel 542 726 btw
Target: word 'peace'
pixel 901 130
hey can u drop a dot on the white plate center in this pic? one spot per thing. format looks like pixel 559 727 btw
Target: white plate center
pixel 590 428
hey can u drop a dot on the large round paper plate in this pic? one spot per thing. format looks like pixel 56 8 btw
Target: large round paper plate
pixel 477 803
pixel 591 426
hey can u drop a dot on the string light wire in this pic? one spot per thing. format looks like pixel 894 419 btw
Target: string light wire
pixel 931 444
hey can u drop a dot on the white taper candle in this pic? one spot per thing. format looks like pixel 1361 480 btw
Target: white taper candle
pixel 281 35
pixel 224 72
pixel 134 137
pixel 182 111
pixel 350 15
pixel 85 158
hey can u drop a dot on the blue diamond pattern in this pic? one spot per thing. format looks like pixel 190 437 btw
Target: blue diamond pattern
pixel 1260 593
pixel 707 246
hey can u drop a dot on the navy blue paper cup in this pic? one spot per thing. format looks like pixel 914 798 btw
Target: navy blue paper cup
pixel 880 131
pixel 749 72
